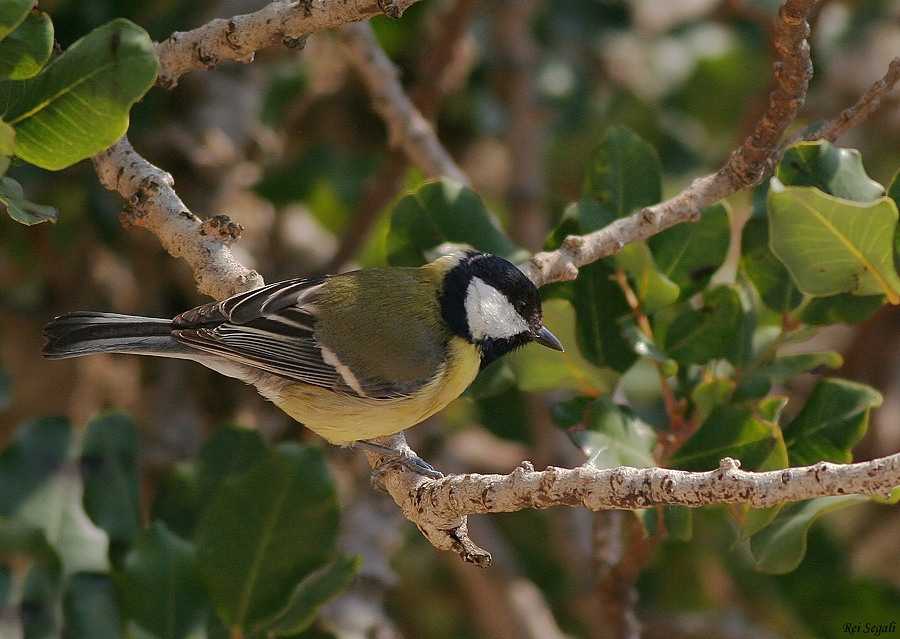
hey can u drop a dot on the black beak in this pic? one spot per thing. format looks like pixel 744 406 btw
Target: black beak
pixel 545 338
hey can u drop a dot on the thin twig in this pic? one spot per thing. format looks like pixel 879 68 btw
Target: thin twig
pixel 407 128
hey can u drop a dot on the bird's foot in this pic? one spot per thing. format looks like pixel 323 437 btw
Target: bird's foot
pixel 403 456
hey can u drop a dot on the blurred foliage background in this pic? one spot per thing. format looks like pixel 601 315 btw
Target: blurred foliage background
pixel 521 94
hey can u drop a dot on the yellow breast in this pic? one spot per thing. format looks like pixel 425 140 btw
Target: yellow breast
pixel 342 419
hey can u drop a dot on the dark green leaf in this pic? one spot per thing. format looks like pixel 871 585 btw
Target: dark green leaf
pixel 679 522
pixel 710 394
pixel 843 308
pixel 35 455
pixel 600 307
pixel 26 50
pixel 729 431
pixel 312 593
pixel 40 601
pixel 609 435
pixel 21 210
pixel 177 500
pixel 624 174
pixel 440 212
pixel 834 418
pixel 162 587
pixel 79 103
pixel 697 336
pixel 786 367
pixel 109 470
pixel 584 216
pixel 831 245
pixel 690 253
pixel 779 547
pixel 12 13
pixel 90 608
pixel 264 531
pixel 838 172
pixel 769 276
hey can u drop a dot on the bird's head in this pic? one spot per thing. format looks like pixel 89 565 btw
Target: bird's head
pixel 489 302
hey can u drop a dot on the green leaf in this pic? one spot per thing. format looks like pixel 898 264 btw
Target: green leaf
pixel 20 209
pixel 109 470
pixel 440 212
pixel 608 434
pixel 12 14
pixel 624 174
pixel 653 289
pixel 710 394
pixel 831 245
pixel 644 346
pixel 769 276
pixel 729 431
pixel 690 253
pixel 188 487
pixel 784 368
pixel 586 215
pixel 78 105
pixel 90 608
pixel 843 308
pixel 698 336
pixel 779 547
pixel 834 418
pixel 7 148
pixel 25 51
pixel 538 370
pixel 312 593
pixel 838 172
pixel 35 455
pixel 264 531
pixel 163 592
pixel 600 308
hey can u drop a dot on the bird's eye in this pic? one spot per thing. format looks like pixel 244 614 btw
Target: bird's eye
pixel 520 305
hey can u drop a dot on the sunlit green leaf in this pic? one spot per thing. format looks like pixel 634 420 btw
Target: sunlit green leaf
pixel 697 336
pixel 264 531
pixel 537 369
pixel 838 172
pixel 729 431
pixel 834 418
pixel 79 103
pixel 779 547
pixel 653 289
pixel 7 148
pixel 609 435
pixel 26 50
pixel 312 593
pixel 12 13
pixel 690 253
pixel 21 210
pixel 831 245
pixel 709 394
pixel 162 587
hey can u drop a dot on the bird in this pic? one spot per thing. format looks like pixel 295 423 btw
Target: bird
pixel 353 356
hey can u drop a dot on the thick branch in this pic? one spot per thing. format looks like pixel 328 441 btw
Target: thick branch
pixel 240 37
pixel 407 128
pixel 746 167
pixel 438 507
pixel 154 205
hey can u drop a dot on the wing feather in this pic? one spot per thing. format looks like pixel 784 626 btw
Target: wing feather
pixel 273 329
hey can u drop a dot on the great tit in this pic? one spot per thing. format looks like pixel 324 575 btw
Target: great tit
pixel 352 356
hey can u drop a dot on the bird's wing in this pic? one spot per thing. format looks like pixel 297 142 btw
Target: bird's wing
pixel 273 329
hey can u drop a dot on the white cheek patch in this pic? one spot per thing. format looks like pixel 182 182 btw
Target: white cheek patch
pixel 490 313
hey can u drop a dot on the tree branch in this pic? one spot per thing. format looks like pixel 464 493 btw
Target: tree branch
pixel 746 167
pixel 407 128
pixel 240 37
pixel 439 507
pixel 153 204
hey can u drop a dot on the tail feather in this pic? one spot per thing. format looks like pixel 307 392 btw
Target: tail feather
pixel 86 332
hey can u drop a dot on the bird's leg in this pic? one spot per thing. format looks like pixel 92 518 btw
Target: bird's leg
pixel 403 456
